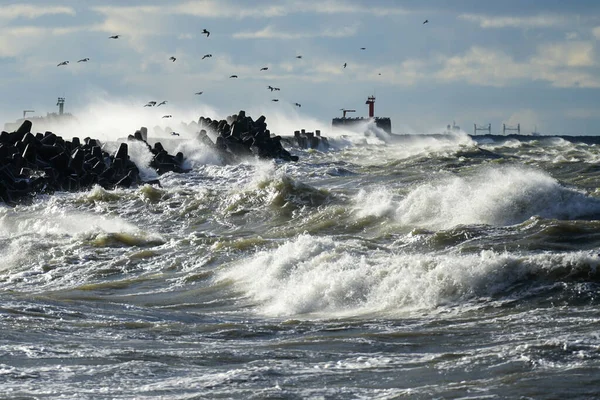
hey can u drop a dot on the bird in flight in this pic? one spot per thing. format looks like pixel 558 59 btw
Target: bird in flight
pixel 205 32
pixel 172 58
pixel 206 56
pixel 271 88
pixel 167 116
pixel 114 36
pixel 298 56
pixel 198 93
pixel 150 104
pixel 345 65
pixel 276 88
pixel 233 76
pixel 425 22
pixel 275 100
pixel 264 68
pixel 298 104
pixel 84 60
pixel 62 63
pixel 174 133
pixel 363 48
pixel 161 103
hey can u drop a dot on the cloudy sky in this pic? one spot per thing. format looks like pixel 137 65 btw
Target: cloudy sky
pixel 534 62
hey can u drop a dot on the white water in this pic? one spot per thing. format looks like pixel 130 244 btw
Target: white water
pixel 497 196
pixel 324 277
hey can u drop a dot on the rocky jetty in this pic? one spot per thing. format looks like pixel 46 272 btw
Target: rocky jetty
pixel 44 163
pixel 162 161
pixel 240 136
pixel 310 140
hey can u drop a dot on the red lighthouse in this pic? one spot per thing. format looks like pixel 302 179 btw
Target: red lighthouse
pixel 381 122
pixel 371 102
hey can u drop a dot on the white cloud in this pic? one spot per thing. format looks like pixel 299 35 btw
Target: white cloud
pixel 534 21
pixel 339 7
pixel 14 11
pixel 225 9
pixel 241 10
pixel 570 79
pixel 129 21
pixel 21 40
pixel 561 64
pixel 481 66
pixel 271 33
pixel 569 54
pixel 572 35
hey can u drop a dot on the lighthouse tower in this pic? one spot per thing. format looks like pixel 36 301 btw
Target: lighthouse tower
pixel 371 102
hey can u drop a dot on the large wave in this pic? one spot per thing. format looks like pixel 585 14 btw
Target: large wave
pixel 330 278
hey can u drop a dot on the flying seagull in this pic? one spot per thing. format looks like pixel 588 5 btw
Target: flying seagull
pixel 206 56
pixel 271 88
pixel 205 32
pixel 198 93
pixel 62 63
pixel 174 133
pixel 172 58
pixel 275 100
pixel 84 60
pixel 426 21
pixel 161 103
pixel 345 65
pixel 114 37
pixel 298 104
pixel 150 104
pixel 264 68
pixel 233 76
pixel 167 116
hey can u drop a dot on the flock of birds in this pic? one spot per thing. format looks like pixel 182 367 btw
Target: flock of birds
pixel 173 59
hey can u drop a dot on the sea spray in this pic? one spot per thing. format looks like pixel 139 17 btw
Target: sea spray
pixel 327 277
pixel 494 196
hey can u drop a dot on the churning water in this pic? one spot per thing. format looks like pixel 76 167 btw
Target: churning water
pixel 387 267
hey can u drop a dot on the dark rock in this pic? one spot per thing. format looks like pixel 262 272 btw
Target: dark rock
pixel 76 161
pixel 144 132
pixel 24 128
pixel 122 152
pixel 29 154
pixel 49 138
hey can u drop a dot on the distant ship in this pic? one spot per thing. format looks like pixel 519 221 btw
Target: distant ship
pixel 40 123
pixel 383 123
pixel 452 128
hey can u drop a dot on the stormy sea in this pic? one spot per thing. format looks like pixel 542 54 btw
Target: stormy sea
pixel 386 266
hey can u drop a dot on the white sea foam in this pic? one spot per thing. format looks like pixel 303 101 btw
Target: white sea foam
pixel 377 202
pixel 326 277
pixel 25 235
pixel 59 222
pixel 493 196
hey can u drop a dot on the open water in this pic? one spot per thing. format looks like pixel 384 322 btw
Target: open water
pixel 413 267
